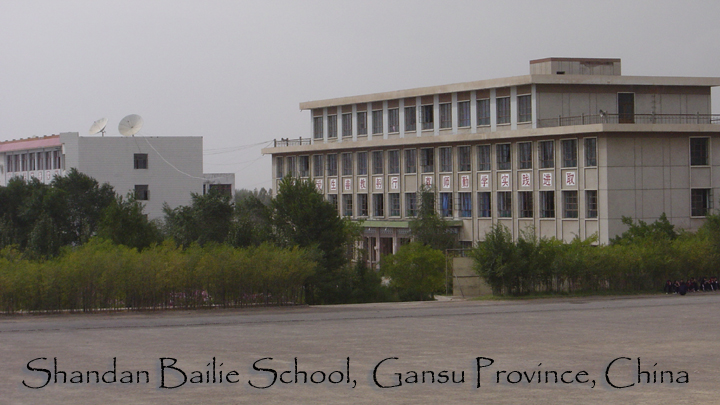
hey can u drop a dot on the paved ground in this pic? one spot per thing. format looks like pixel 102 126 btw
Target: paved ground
pixel 523 338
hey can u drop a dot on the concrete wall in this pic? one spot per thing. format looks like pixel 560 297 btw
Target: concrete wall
pixel 111 159
pixel 466 282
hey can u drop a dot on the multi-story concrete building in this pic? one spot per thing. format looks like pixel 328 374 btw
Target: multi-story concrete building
pixel 157 170
pixel 568 149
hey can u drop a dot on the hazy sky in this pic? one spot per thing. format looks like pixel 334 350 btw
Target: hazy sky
pixel 234 72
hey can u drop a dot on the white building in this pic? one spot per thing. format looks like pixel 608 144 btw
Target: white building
pixel 157 169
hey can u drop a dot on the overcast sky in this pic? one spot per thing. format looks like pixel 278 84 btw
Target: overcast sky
pixel 234 72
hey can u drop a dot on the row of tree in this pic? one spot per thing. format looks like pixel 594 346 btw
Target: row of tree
pixel 639 260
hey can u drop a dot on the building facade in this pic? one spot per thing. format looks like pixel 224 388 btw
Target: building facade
pixel 567 150
pixel 157 170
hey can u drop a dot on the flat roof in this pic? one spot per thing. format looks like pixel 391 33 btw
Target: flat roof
pixel 516 81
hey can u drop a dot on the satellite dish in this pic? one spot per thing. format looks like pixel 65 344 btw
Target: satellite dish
pixel 130 125
pixel 98 126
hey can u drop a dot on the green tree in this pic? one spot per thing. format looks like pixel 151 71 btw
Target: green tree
pixel 429 228
pixel 124 223
pixel 300 216
pixel 207 219
pixel 416 271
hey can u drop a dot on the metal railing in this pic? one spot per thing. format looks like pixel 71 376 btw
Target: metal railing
pixel 291 142
pixel 629 119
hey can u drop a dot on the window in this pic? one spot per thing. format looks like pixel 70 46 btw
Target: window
pixel 9 164
pixel 279 172
pixel 547 204
pixel 31 161
pixel 362 163
pixel 446 159
pixel 591 204
pixel 504 204
pixel 465 205
pixel 377 122
pixel 524 155
pixel 23 161
pixel 377 162
pixel 547 154
pixel 347 125
pixel 525 204
pixel 141 192
pixel 410 161
pixel 463 158
pixel 699 151
pixel 410 204
pixel 411 118
pixel 318 127
pixel 40 161
pixel 318 165
pixel 378 205
pixel 304 166
pixel 570 204
pixel 569 149
pixel 446 115
pixel 362 204
pixel 700 202
pixel 427 163
pixel 503 110
pixel 394 162
pixel 332 167
pixel 427 116
pixel 484 162
pixel 446 206
pixel 333 200
pixel 503 156
pixel 290 161
pixel 524 103
pixel 394 201
pixel 58 159
pixel 590 152
pixel 361 122
pixel 332 126
pixel 484 204
pixel 347 164
pixel 463 113
pixel 347 205
pixel 393 120
pixel 483 112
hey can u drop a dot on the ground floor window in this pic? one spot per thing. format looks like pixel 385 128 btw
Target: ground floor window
pixel 700 201
pixel 547 204
pixel 525 204
pixel 591 203
pixel 570 204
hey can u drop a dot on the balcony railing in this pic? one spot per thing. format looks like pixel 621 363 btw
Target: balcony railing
pixel 291 142
pixel 630 119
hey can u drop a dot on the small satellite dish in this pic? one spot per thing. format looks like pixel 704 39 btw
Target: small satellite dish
pixel 130 125
pixel 98 126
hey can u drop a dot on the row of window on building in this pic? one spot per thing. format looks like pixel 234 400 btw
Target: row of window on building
pixel 426 117
pixel 32 161
pixel 461 205
pixel 388 162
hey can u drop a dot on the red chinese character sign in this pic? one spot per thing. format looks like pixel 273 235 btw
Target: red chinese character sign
pixel 428 181
pixel 347 185
pixel 484 181
pixel 378 183
pixel 394 183
pixel 569 178
pixel 319 184
pixel 362 183
pixel 525 180
pixel 446 182
pixel 333 184
pixel 505 180
pixel 547 179
pixel 465 181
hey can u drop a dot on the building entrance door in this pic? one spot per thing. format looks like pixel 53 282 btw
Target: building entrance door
pixel 626 108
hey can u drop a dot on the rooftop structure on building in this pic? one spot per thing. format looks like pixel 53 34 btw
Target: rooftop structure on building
pixel 567 150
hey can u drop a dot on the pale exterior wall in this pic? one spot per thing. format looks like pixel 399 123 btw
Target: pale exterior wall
pixel 111 160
